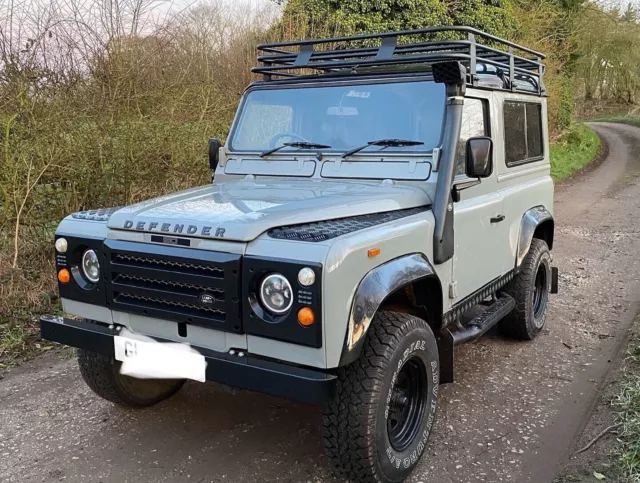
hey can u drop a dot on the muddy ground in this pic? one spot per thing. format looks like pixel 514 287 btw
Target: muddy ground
pixel 597 449
pixel 512 415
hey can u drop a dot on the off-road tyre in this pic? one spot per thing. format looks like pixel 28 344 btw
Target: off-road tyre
pixel 356 424
pixel 527 320
pixel 102 375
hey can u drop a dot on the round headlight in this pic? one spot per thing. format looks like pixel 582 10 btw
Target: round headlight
pixel 61 245
pixel 276 293
pixel 306 277
pixel 91 266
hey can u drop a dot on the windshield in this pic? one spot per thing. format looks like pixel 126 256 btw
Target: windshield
pixel 342 117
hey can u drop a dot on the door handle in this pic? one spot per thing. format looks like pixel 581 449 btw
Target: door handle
pixel 497 219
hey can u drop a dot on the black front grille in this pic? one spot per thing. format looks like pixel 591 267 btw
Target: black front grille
pixel 191 286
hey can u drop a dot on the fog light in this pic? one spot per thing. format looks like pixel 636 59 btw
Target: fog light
pixel 62 245
pixel 64 276
pixel 306 317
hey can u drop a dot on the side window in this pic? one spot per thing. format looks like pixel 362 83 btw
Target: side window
pixel 474 123
pixel 522 132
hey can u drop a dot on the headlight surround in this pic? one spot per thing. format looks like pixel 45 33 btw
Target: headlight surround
pixel 91 266
pixel 276 294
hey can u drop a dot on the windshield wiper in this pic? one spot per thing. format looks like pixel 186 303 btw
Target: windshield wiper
pixel 387 143
pixel 298 145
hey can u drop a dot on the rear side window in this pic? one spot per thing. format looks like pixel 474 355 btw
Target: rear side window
pixel 522 132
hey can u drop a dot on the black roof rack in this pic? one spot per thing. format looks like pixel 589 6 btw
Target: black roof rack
pixel 519 68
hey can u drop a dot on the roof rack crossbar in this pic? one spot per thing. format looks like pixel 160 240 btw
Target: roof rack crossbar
pixel 301 58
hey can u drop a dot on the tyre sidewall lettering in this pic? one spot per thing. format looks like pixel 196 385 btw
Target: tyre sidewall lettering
pixel 418 343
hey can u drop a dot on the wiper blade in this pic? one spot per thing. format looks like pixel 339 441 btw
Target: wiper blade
pixel 396 143
pixel 298 145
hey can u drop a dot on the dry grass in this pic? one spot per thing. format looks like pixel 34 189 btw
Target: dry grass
pixel 104 104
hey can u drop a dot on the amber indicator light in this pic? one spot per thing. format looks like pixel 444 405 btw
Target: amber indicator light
pixel 306 317
pixel 373 252
pixel 64 276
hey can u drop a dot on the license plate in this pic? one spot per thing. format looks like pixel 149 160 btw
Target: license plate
pixel 158 360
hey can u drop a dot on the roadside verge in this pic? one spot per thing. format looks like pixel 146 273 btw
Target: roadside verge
pixel 608 447
pixel 578 150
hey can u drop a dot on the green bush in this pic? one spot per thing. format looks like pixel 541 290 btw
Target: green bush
pixel 573 151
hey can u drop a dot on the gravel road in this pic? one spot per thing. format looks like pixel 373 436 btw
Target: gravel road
pixel 512 414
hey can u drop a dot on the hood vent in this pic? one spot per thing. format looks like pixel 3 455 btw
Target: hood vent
pixel 325 230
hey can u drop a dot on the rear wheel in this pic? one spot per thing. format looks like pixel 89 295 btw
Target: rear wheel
pixel 377 425
pixel 530 289
pixel 102 375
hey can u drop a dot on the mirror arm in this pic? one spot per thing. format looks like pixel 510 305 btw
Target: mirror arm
pixel 457 188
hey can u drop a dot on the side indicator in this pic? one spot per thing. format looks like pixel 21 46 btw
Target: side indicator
pixel 373 252
pixel 64 276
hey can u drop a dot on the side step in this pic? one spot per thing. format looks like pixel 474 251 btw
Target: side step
pixel 484 321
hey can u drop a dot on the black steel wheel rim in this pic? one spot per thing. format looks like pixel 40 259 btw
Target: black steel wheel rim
pixel 408 404
pixel 540 292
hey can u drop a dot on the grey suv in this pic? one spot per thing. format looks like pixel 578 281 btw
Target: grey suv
pixel 379 200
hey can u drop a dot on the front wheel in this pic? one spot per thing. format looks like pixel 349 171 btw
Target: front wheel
pixel 102 375
pixel 377 425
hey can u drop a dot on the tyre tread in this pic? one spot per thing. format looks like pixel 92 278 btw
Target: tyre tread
pixel 100 373
pixel 514 325
pixel 349 418
pixel 97 371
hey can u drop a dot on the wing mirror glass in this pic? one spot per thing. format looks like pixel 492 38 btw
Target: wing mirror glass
pixel 214 153
pixel 479 163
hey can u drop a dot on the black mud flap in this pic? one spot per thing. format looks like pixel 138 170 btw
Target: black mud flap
pixel 554 280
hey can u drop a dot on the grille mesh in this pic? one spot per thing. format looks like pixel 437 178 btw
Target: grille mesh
pixel 156 301
pixel 167 263
pixel 173 284
pixel 170 283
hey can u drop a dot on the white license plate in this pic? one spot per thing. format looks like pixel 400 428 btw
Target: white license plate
pixel 158 360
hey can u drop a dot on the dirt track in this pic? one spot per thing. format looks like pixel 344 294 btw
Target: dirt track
pixel 511 415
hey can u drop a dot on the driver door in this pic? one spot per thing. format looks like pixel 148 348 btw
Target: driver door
pixel 481 232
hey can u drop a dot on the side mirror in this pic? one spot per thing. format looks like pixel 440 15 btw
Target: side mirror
pixel 479 162
pixel 214 153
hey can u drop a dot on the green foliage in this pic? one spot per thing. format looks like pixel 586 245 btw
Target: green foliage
pixel 564 104
pixel 608 56
pixel 351 17
pixel 573 151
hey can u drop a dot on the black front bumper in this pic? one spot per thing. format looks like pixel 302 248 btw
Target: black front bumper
pixel 255 374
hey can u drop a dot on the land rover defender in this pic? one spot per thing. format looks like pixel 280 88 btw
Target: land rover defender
pixel 379 200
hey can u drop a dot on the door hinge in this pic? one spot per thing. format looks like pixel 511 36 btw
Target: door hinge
pixel 453 290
